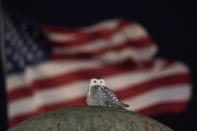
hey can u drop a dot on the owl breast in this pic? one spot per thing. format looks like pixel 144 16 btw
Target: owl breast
pixel 94 97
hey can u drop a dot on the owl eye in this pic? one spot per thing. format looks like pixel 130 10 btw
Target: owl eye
pixel 101 82
pixel 94 81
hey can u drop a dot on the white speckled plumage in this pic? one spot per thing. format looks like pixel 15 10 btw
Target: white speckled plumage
pixel 99 94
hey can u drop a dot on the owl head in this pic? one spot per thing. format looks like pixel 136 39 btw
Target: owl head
pixel 97 81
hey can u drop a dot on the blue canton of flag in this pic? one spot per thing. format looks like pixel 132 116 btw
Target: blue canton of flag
pixel 24 44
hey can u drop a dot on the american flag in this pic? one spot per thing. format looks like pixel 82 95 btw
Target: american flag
pixel 50 68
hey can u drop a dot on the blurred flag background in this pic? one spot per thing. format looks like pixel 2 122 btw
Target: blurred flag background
pixel 49 67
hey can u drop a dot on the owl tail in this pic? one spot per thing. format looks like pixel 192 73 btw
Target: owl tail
pixel 124 105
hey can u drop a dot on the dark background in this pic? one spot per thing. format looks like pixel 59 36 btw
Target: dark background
pixel 171 25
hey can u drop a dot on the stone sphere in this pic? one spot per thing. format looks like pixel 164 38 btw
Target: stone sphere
pixel 90 118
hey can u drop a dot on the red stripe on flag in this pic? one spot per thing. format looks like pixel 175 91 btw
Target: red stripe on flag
pixel 167 64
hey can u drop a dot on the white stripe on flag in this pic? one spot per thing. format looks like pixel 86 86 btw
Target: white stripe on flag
pixel 135 32
pixel 59 37
pixel 174 93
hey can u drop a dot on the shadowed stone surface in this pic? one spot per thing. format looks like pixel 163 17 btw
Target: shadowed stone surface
pixel 90 118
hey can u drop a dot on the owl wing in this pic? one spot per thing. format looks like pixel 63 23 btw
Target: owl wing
pixel 108 96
